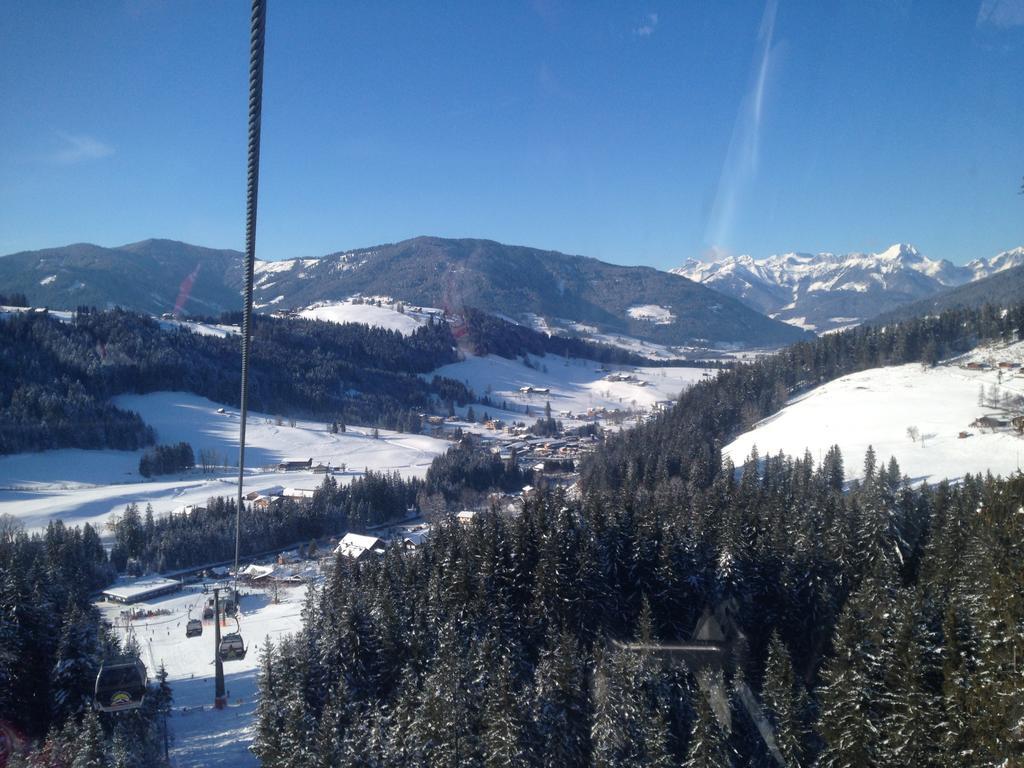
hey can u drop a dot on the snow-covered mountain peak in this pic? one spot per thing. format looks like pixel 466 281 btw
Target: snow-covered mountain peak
pixel 825 291
pixel 900 252
pixel 998 263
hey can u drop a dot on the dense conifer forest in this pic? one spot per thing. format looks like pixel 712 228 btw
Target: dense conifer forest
pixel 882 627
pixel 56 377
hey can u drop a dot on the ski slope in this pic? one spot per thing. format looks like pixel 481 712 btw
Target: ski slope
pixel 875 407
pixel 202 735
pixel 79 486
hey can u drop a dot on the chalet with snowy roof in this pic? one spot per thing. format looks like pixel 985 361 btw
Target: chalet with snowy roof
pixel 355 546
pixel 414 539
pixel 298 494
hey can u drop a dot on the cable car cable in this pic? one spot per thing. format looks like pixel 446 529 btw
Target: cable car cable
pixel 258 23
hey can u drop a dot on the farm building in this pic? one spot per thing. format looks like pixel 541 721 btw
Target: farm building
pixel 293 465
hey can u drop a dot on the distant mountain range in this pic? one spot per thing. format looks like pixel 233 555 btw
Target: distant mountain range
pixel 543 289
pixel 825 291
pixel 1001 288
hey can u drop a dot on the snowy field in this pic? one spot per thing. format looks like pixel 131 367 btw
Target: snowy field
pixel 202 735
pixel 79 486
pixel 575 385
pixel 876 407
pixel 386 316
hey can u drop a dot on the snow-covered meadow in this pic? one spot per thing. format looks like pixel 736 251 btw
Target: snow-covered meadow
pixel 574 385
pixel 876 407
pixel 386 316
pixel 79 486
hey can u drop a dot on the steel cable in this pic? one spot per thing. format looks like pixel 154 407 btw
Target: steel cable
pixel 257 32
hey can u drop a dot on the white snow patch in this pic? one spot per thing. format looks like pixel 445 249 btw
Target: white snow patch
pixel 368 314
pixel 575 385
pixel 48 280
pixel 652 313
pixel 875 407
pixel 79 486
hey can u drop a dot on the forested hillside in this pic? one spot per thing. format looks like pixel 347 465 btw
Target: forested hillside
pixel 158 276
pixel 881 628
pixel 490 335
pixel 684 444
pixel 1002 288
pixel 879 624
pixel 56 377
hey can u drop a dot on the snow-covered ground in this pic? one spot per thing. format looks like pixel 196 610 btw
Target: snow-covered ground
pixel 575 385
pixel 80 486
pixel 202 735
pixel 203 329
pixel 386 316
pixel 876 407
pixel 653 313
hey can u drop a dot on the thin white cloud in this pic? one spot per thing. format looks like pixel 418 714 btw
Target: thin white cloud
pixel 647 28
pixel 743 155
pixel 78 148
pixel 1001 13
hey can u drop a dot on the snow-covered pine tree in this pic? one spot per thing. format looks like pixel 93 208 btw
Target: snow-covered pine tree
pixel 783 703
pixel 708 746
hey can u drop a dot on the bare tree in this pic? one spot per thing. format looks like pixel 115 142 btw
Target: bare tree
pixel 10 526
pixel 913 433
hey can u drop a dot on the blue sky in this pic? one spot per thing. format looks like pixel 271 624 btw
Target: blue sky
pixel 639 133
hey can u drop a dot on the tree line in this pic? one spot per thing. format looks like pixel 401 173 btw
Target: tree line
pixel 56 378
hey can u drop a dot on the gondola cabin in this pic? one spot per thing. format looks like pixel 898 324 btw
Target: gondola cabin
pixel 232 648
pixel 194 628
pixel 120 685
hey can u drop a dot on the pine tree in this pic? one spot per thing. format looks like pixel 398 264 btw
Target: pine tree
pixel 708 747
pixel 849 720
pixel 505 742
pixel 909 710
pixel 268 744
pixel 90 751
pixel 783 703
pixel 561 706
pixel 75 671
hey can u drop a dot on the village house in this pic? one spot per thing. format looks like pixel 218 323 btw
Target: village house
pixel 298 494
pixel 293 465
pixel 355 546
